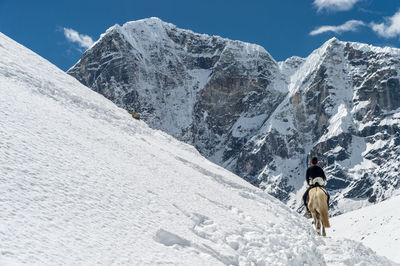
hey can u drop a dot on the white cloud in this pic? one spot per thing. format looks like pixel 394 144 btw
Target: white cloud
pixel 335 5
pixel 388 29
pixel 351 25
pixel 73 36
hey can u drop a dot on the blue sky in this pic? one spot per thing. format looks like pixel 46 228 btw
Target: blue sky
pixel 60 30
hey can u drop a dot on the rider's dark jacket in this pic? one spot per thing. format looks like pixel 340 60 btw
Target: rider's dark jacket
pixel 314 171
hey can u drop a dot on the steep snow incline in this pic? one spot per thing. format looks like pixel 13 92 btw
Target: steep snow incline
pixel 82 183
pixel 377 226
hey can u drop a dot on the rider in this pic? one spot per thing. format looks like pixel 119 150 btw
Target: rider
pixel 312 172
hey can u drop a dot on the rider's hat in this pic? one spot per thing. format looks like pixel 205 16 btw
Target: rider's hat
pixel 314 160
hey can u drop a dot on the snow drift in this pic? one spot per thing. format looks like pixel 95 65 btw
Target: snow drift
pixel 82 183
pixel 377 226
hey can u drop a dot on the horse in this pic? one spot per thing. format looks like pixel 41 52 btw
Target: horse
pixel 318 207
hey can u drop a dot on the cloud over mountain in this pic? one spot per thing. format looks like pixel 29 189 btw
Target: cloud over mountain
pixel 82 40
pixel 390 28
pixel 351 25
pixel 335 5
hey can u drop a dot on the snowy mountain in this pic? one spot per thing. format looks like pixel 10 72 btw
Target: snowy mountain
pixel 254 116
pixel 375 226
pixel 82 183
pixel 192 86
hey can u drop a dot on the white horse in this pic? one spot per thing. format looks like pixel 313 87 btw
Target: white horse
pixel 318 207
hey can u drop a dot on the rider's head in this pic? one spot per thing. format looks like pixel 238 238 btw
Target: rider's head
pixel 314 160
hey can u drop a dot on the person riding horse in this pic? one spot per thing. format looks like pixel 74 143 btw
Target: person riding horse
pixel 313 172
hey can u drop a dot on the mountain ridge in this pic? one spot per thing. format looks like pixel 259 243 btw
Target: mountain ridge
pixel 259 118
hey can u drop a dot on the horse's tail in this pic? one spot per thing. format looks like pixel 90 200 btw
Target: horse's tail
pixel 324 218
pixel 323 209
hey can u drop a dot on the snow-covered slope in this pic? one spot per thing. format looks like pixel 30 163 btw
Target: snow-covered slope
pixel 261 119
pixel 82 183
pixel 377 226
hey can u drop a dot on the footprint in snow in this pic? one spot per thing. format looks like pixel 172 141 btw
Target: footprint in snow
pixel 169 239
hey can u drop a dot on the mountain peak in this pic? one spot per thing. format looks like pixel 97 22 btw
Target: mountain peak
pixel 331 44
pixel 152 21
pixel 333 40
pixel 154 30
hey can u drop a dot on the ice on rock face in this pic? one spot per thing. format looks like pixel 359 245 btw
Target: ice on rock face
pixel 85 184
pixel 254 116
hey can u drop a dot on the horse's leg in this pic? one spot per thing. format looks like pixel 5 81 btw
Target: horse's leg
pixel 314 215
pixel 323 231
pixel 318 224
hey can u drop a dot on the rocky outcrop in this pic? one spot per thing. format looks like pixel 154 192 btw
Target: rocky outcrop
pixel 256 117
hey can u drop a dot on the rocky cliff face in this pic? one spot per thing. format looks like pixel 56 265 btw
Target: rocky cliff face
pixel 257 117
pixel 342 106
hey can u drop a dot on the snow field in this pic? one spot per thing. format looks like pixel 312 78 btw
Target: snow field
pixel 376 226
pixel 82 183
